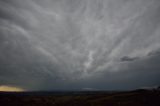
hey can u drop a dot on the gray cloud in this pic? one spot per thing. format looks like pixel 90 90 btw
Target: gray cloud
pixel 74 44
pixel 126 58
pixel 154 52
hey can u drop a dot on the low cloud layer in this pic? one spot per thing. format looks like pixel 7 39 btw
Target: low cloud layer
pixel 76 44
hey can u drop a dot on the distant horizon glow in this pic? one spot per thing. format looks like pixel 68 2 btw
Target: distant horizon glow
pixel 7 88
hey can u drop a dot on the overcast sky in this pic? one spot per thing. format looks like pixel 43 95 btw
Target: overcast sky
pixel 79 44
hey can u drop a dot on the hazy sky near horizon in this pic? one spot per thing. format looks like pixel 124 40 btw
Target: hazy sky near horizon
pixel 79 44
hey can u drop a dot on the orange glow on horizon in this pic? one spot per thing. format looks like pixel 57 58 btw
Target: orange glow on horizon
pixel 10 89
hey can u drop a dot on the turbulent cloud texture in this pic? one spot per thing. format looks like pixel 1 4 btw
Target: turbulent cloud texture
pixel 77 44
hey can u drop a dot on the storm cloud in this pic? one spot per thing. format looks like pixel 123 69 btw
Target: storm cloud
pixel 77 44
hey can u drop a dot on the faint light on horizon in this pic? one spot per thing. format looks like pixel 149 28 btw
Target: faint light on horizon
pixel 6 88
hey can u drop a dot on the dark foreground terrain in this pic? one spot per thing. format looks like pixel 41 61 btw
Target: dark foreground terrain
pixel 82 98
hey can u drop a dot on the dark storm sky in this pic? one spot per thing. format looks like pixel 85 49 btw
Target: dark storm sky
pixel 79 44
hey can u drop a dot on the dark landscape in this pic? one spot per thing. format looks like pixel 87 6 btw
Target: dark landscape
pixel 140 97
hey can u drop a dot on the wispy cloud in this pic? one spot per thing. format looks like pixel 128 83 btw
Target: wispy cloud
pixel 68 42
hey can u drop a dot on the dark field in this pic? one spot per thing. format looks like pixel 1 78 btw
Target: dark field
pixel 82 98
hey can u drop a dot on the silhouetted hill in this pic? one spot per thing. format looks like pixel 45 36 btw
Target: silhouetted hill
pixel 140 97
